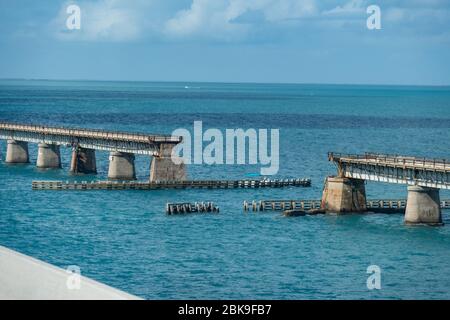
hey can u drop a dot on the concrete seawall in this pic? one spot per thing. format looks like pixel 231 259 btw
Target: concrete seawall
pixel 26 278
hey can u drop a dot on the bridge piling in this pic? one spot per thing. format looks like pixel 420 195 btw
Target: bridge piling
pixel 423 206
pixel 344 195
pixel 83 161
pixel 49 156
pixel 121 166
pixel 17 152
pixel 163 167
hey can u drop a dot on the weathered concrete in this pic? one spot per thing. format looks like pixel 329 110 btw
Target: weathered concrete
pixel 344 195
pixel 423 206
pixel 49 156
pixel 121 166
pixel 83 161
pixel 26 278
pixel 17 152
pixel 164 167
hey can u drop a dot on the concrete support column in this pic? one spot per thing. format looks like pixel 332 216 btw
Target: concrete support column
pixel 121 166
pixel 344 195
pixel 17 152
pixel 164 167
pixel 49 156
pixel 423 206
pixel 83 161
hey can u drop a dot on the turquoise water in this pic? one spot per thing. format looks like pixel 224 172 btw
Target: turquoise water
pixel 125 239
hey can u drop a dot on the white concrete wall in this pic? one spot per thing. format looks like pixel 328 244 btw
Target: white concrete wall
pixel 26 278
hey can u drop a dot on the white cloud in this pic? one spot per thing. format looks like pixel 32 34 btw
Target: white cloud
pixel 111 20
pixel 212 19
pixel 217 19
pixel 350 8
pixel 229 20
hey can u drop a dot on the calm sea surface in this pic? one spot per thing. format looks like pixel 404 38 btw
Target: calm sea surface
pixel 124 238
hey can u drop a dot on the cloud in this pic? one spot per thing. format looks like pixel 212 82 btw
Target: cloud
pixel 348 9
pixel 106 20
pixel 211 19
pixel 236 20
pixel 219 19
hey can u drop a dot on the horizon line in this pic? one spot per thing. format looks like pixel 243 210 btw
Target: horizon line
pixel 229 82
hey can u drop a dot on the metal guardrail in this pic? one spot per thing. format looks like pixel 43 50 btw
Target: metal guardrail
pixel 90 133
pixel 396 160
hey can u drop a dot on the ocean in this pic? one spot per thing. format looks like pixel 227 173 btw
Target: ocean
pixel 125 239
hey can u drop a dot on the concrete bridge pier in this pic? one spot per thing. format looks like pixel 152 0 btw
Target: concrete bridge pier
pixel 17 152
pixel 83 161
pixel 423 206
pixel 344 195
pixel 121 166
pixel 49 156
pixel 164 167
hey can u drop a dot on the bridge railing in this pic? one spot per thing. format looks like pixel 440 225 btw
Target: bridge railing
pixel 368 157
pixel 90 133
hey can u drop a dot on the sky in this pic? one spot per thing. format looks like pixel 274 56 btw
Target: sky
pixel 276 41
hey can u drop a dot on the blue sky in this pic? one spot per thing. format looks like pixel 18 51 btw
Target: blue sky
pixel 300 41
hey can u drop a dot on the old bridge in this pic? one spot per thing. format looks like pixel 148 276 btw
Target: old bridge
pixel 424 177
pixel 122 145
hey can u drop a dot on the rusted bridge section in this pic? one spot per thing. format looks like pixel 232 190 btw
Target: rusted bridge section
pixel 424 177
pixel 84 142
pixel 432 173
pixel 136 143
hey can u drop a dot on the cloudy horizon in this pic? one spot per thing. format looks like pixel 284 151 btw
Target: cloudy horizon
pixel 269 41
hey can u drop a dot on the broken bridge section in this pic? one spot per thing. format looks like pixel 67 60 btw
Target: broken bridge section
pixel 84 142
pixel 424 177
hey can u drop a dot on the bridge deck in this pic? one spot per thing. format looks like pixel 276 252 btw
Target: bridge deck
pixel 393 161
pixel 434 173
pixel 87 138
